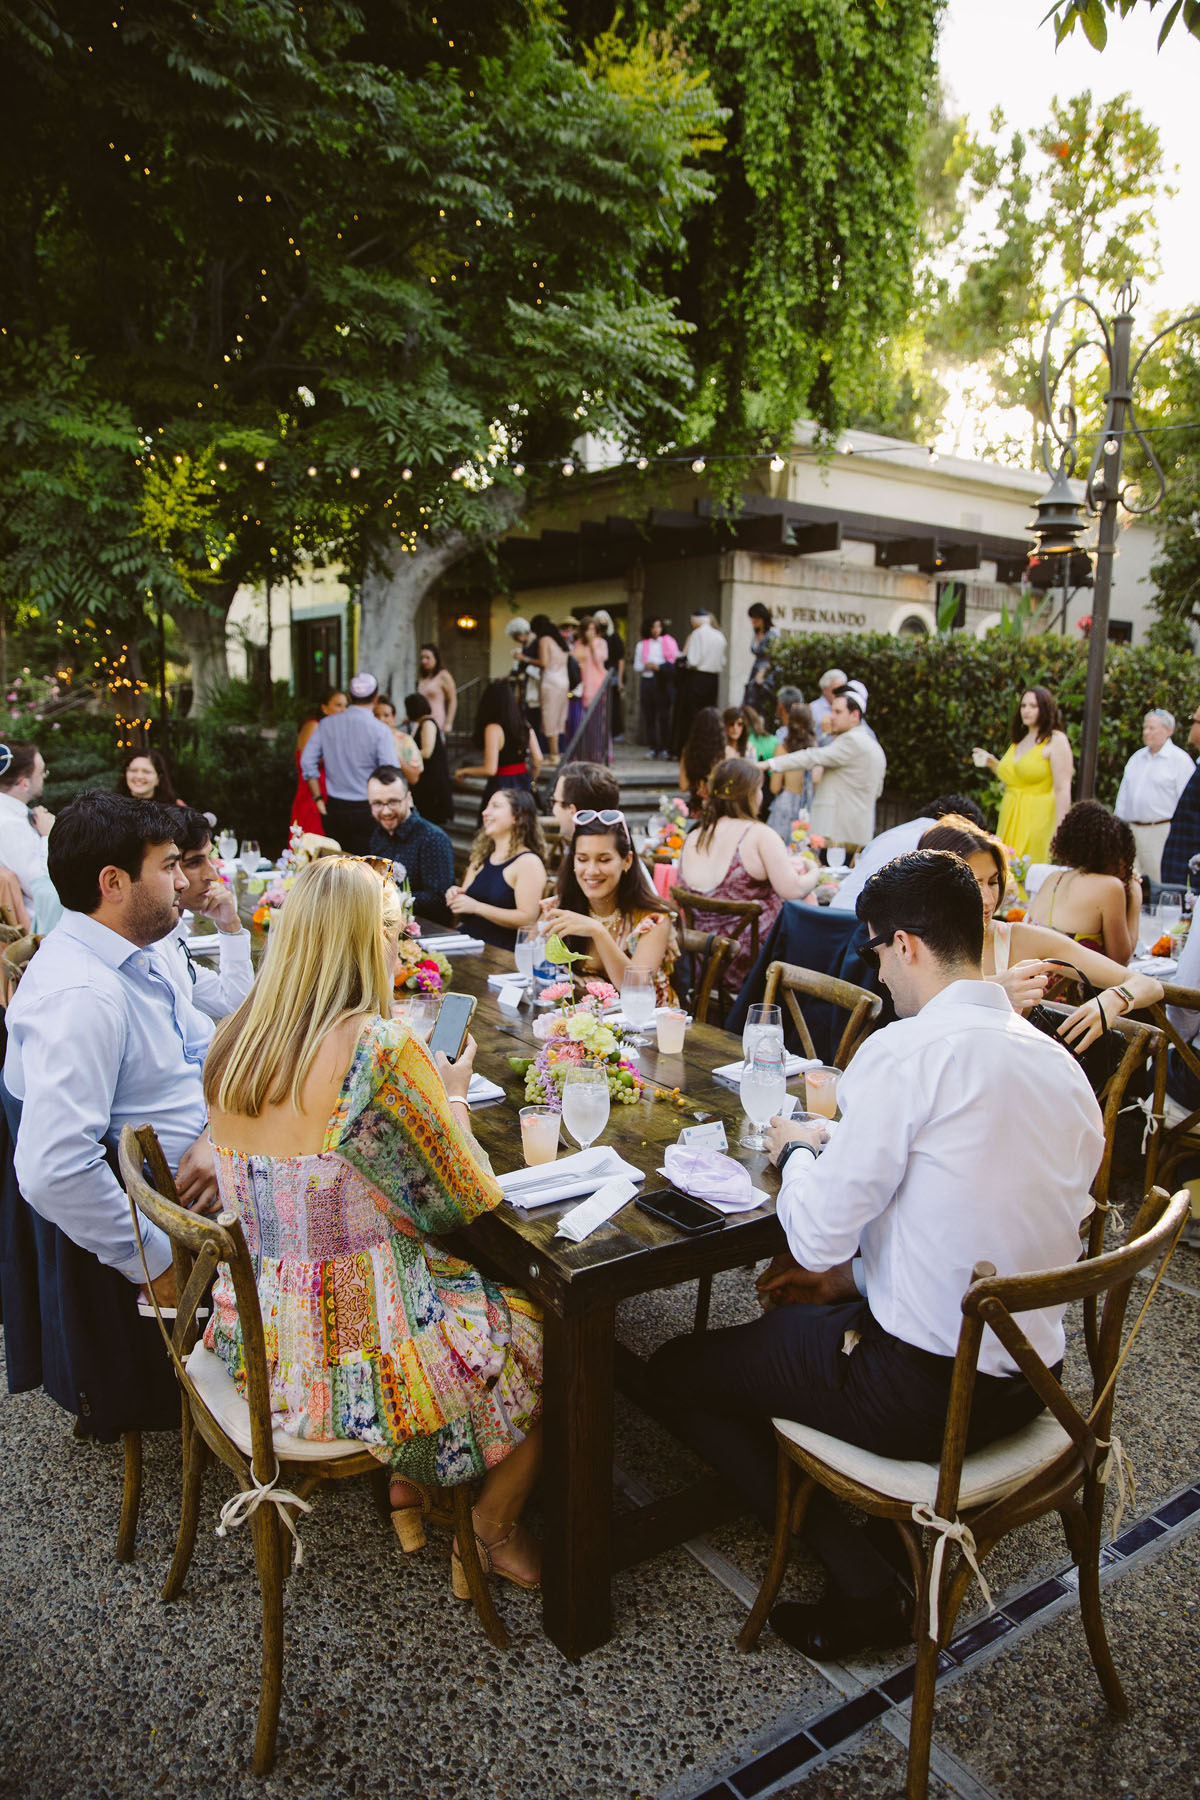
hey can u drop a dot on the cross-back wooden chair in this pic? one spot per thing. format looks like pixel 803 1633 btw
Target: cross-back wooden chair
pixel 952 1513
pixel 13 959
pixel 1178 1136
pixel 789 982
pixel 743 917
pixel 275 1473
pixel 709 954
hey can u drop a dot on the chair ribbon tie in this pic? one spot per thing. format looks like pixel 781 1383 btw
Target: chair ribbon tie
pixel 947 1530
pixel 237 1510
pixel 1117 1458
pixel 1154 1120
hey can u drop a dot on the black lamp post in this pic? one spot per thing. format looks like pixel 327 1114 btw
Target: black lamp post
pixel 1058 523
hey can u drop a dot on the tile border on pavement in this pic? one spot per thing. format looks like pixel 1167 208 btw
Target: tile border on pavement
pixel 797 1747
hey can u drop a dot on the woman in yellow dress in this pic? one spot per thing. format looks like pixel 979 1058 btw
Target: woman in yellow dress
pixel 1036 770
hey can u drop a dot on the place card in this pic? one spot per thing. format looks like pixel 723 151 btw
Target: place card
pixel 711 1136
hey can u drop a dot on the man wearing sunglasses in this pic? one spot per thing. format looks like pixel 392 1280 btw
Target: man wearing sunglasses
pixel 966 1136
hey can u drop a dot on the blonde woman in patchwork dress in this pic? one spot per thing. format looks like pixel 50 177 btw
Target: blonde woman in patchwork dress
pixel 348 1157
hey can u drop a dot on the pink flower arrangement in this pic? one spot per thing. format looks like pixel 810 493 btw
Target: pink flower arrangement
pixel 558 990
pixel 603 991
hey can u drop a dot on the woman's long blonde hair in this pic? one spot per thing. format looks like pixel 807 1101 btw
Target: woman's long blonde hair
pixel 328 961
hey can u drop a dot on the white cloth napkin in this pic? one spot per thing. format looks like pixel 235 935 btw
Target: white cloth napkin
pixel 482 1089
pixel 206 944
pixel 581 1221
pixel 792 1065
pixel 511 978
pixel 455 942
pixel 567 1179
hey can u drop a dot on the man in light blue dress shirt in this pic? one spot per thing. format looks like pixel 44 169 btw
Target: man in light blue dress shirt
pixel 98 1037
pixel 220 991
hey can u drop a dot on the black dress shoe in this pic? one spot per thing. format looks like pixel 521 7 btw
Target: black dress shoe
pixel 839 1624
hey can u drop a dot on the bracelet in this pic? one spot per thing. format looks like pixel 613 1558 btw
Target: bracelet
pixel 459 1100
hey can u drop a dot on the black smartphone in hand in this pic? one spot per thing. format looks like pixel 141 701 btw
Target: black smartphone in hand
pixel 453 1022
pixel 681 1211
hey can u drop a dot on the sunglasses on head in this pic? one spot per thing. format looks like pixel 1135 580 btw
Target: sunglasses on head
pixel 609 816
pixel 378 865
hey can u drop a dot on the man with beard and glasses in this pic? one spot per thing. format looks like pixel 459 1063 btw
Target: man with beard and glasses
pixel 100 1037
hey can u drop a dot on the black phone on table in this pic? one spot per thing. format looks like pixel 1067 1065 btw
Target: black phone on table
pixel 453 1022
pixel 681 1211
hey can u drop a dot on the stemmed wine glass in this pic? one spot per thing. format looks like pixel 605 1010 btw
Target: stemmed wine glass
pixel 764 1026
pixel 835 856
pixel 250 855
pixel 762 1089
pixel 638 1000
pixel 585 1105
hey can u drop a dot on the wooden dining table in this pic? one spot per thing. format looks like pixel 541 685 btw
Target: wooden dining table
pixel 578 1287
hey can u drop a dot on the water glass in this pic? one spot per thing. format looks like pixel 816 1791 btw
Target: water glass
pixel 585 1105
pixel 671 1022
pixel 835 856
pixel 250 855
pixel 638 1000
pixel 764 1026
pixel 763 1089
pixel 525 952
pixel 1170 908
pixel 539 1134
pixel 227 846
pixel 419 1012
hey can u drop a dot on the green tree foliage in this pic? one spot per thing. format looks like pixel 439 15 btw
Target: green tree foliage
pixel 1069 206
pixel 1092 17
pixel 932 699
pixel 303 250
pixel 1169 407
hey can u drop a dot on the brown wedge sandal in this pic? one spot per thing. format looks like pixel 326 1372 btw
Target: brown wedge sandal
pixel 408 1521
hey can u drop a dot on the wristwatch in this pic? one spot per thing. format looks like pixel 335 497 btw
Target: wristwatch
pixel 1126 995
pixel 781 1165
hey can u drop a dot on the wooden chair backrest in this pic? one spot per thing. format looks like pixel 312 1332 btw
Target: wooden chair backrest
pixel 709 953
pixel 198 1244
pixel 13 960
pixel 740 913
pixel 997 1301
pixel 863 1007
pixel 1172 1138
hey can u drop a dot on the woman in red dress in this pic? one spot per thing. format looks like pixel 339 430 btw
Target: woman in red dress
pixel 304 807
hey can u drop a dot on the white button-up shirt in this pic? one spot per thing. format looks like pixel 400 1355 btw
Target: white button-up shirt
pixel 966 1136
pixel 899 841
pixel 23 850
pixel 706 649
pixel 1152 783
pixel 217 992
pixel 98 1038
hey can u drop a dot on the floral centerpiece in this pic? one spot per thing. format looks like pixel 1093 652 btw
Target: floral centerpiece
pixel 1012 906
pixel 673 813
pixel 576 1036
pixel 806 843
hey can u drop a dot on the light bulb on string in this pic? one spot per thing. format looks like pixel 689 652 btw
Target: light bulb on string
pixel 568 468
pixel 698 466
pixel 1110 446
pixel 777 465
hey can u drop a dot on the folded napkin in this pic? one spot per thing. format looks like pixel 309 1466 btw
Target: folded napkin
pixel 510 979
pixel 582 1220
pixel 456 941
pixel 567 1179
pixel 792 1065
pixel 207 943
pixel 709 1175
pixel 482 1089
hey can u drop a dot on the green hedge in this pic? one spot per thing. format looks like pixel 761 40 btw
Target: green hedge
pixel 246 779
pixel 932 699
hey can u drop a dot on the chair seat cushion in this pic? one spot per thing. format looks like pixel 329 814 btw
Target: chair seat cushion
pixel 987 1474
pixel 218 1390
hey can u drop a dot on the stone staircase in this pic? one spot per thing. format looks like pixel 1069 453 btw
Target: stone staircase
pixel 641 784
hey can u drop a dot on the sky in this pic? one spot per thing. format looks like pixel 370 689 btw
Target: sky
pixel 996 52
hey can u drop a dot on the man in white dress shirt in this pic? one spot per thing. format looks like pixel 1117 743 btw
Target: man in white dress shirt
pixel 220 991
pixel 820 708
pixel 24 826
pixel 98 1036
pixel 706 649
pixel 884 1225
pixel 843 808
pixel 898 842
pixel 1154 778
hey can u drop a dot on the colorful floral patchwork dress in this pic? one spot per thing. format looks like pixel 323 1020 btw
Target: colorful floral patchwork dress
pixel 374 1330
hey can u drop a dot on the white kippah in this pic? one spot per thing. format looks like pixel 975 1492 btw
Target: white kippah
pixel 858 693
pixel 363 685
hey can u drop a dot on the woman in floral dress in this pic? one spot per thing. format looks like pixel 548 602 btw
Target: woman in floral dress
pixel 606 907
pixel 348 1156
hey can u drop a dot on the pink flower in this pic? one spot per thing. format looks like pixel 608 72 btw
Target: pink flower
pixel 558 990
pixel 600 990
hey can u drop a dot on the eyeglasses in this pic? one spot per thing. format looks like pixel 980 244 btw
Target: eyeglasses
pixel 609 816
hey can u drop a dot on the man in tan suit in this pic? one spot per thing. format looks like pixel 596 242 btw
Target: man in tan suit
pixel 853 765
